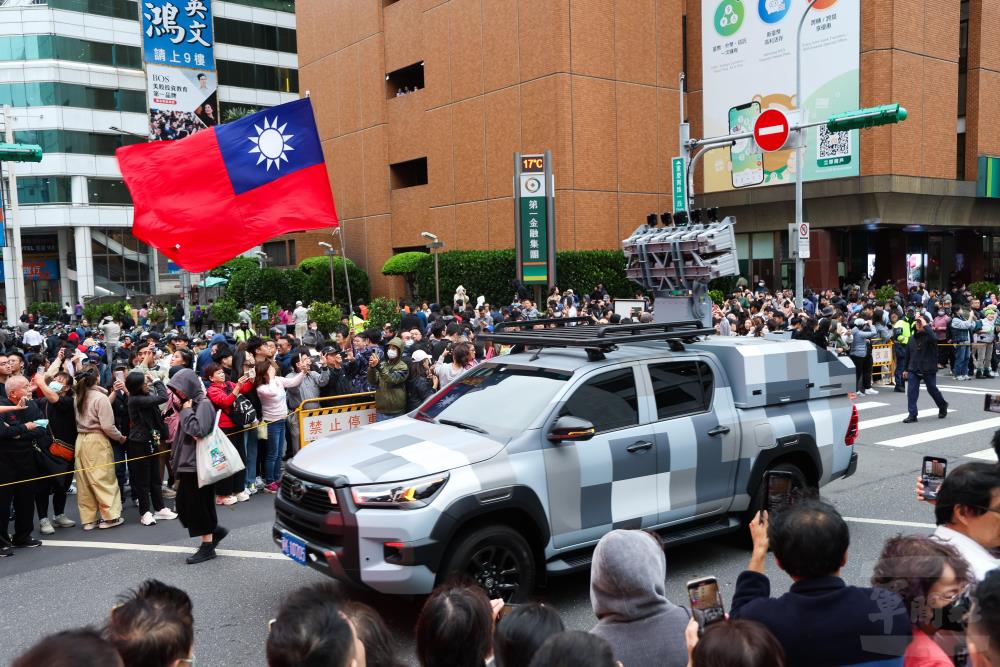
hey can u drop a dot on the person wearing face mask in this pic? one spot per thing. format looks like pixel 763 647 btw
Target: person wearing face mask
pixel 929 576
pixel 984 337
pixel 389 376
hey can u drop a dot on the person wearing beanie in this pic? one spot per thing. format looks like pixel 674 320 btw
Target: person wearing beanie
pixel 628 593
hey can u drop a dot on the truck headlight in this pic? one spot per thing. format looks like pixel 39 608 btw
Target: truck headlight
pixel 407 495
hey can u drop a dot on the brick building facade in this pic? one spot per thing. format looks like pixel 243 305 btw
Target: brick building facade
pixel 596 81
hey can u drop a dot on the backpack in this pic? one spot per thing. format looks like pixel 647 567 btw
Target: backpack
pixel 242 412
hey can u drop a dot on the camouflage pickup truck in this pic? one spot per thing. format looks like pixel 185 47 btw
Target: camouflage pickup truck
pixel 513 472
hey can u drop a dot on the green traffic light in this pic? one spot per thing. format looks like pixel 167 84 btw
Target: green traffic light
pixel 887 114
pixel 20 153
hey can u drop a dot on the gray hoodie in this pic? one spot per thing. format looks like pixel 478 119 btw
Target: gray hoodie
pixel 195 422
pixel 627 591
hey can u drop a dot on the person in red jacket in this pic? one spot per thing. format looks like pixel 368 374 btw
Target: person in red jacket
pixel 222 393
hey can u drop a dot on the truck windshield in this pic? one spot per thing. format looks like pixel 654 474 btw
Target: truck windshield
pixel 499 399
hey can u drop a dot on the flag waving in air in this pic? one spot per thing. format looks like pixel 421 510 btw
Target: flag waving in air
pixel 207 198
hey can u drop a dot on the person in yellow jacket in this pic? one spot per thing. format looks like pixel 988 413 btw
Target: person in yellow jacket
pixel 900 328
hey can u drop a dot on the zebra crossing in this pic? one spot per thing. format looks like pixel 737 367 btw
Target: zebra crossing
pixel 881 421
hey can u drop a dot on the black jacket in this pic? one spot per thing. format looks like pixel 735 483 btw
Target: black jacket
pixel 144 415
pixel 823 622
pixel 15 437
pixel 922 353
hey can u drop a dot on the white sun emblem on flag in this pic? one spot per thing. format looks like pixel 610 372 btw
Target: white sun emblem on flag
pixel 270 143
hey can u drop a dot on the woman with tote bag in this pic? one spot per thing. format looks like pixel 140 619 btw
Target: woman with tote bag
pixel 195 505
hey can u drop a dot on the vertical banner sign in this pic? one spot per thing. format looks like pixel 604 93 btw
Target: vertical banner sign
pixel 679 177
pixel 3 217
pixel 181 82
pixel 748 67
pixel 534 213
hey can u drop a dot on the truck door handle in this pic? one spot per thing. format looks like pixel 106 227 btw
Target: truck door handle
pixel 640 446
pixel 719 430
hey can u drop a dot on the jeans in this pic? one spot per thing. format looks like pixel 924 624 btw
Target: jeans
pixel 251 443
pixel 275 450
pixel 913 391
pixel 121 469
pixel 962 353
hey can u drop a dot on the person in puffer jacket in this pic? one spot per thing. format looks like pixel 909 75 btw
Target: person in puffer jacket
pixel 389 375
pixel 985 336
pixel 860 335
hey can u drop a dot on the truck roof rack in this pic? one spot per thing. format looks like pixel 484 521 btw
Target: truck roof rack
pixel 596 339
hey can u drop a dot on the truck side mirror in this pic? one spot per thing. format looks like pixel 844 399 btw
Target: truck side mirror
pixel 571 429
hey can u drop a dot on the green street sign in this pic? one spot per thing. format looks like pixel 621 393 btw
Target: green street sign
pixel 887 114
pixel 20 153
pixel 678 171
pixel 534 241
pixel 535 228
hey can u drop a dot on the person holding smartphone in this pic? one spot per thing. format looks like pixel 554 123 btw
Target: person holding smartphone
pixel 223 394
pixel 922 366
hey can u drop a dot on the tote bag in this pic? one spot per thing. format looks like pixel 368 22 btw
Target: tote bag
pixel 216 458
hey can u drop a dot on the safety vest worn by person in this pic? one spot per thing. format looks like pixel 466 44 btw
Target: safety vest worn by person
pixel 905 331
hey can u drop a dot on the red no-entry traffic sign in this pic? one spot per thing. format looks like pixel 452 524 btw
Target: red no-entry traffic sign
pixel 770 131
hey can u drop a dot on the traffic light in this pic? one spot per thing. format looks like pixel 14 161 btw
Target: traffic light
pixel 887 114
pixel 20 153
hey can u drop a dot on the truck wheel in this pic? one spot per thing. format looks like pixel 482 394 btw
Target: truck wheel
pixel 495 557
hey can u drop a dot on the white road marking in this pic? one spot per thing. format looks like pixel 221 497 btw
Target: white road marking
pixel 888 522
pixel 869 405
pixel 162 548
pixel 965 389
pixel 941 433
pixel 984 455
pixel 896 419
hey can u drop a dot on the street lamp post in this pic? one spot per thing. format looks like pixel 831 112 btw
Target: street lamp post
pixel 800 263
pixel 330 253
pixel 434 245
pixel 337 231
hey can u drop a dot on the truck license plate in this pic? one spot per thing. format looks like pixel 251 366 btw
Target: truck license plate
pixel 294 548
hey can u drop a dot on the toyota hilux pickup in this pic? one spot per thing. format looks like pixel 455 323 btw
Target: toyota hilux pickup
pixel 513 472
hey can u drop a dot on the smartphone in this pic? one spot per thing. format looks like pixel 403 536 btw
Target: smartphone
pixel 934 471
pixel 991 403
pixel 779 490
pixel 252 373
pixel 704 596
pixel 120 376
pixel 746 158
pixel 42 423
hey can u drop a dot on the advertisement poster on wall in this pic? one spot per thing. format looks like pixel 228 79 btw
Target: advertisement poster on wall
pixel 181 81
pixel 748 66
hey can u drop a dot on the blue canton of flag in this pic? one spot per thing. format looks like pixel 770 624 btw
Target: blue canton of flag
pixel 269 144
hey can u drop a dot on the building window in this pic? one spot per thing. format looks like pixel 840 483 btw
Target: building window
pixel 72 141
pixel 119 9
pixel 280 253
pixel 59 47
pixel 108 192
pixel 403 81
pixel 121 261
pixel 57 93
pixel 39 190
pixel 276 5
pixel 408 174
pixel 254 35
pixel 263 77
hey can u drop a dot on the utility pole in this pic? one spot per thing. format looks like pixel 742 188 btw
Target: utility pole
pixel 800 263
pixel 339 231
pixel 330 253
pixel 20 300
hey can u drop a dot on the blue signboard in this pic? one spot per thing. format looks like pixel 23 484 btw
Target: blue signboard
pixel 178 33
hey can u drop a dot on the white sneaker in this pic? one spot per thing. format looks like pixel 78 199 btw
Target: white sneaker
pixel 870 392
pixel 45 527
pixel 166 513
pixel 225 500
pixel 243 496
pixel 147 519
pixel 72 489
pixel 259 483
pixel 90 526
pixel 63 521
pixel 252 489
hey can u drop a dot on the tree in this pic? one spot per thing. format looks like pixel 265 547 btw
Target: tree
pixel 317 270
pixel 405 264
pixel 327 316
pixel 226 270
pixel 381 311
pixel 225 311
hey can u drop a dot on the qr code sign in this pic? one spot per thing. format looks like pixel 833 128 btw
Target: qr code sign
pixel 834 148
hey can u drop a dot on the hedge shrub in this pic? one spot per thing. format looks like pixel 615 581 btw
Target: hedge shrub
pixel 382 310
pixel 46 309
pixel 491 272
pixel 327 316
pixel 225 312
pixel 982 287
pixel 403 263
pixel 317 270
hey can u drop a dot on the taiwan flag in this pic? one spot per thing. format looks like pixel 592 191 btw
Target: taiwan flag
pixel 214 195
